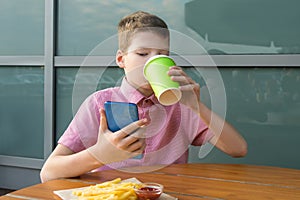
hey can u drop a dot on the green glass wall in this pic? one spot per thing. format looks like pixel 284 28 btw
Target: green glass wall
pixel 22 111
pixel 21 83
pixel 22 27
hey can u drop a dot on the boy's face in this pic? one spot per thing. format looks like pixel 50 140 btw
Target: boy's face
pixel 143 46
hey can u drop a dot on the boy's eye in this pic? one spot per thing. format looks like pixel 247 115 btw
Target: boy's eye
pixel 142 54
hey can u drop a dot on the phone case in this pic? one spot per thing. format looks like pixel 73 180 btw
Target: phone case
pixel 120 114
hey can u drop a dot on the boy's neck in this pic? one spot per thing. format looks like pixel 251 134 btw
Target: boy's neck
pixel 143 91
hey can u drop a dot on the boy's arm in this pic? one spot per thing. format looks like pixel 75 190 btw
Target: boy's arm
pixel 226 138
pixel 65 163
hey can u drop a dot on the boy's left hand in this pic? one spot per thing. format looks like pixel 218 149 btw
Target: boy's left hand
pixel 189 88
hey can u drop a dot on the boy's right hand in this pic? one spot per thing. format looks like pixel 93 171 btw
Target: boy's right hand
pixel 121 145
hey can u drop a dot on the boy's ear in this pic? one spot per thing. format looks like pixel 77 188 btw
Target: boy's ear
pixel 120 59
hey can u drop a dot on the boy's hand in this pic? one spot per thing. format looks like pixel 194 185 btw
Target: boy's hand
pixel 189 88
pixel 121 145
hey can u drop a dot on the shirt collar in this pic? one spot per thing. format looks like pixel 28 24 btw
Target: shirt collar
pixel 133 95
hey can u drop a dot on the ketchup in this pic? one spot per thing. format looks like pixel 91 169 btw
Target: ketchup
pixel 148 193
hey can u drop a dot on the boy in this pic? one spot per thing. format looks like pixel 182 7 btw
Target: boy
pixel 163 133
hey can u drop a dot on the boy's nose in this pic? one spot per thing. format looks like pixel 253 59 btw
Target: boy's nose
pixel 153 54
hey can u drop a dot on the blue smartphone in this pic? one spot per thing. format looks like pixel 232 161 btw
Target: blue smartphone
pixel 120 114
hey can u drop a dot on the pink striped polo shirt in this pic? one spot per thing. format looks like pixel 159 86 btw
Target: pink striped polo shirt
pixel 168 136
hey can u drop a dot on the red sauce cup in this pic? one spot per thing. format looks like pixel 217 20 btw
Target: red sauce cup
pixel 149 191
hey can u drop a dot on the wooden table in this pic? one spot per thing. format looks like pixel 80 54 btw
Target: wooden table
pixel 191 181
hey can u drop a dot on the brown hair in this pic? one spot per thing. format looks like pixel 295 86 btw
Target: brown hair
pixel 137 22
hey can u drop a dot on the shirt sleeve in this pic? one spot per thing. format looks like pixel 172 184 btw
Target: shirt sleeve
pixel 82 132
pixel 203 137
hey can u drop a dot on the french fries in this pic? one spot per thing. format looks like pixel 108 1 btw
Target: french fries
pixel 110 190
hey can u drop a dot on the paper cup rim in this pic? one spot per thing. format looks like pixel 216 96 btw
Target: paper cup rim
pixel 179 95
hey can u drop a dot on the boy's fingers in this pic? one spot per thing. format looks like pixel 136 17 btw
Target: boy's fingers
pixel 189 87
pixel 103 122
pixel 134 126
pixel 139 133
pixel 175 71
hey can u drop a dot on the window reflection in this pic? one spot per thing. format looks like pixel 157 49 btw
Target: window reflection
pixel 246 27
pixel 261 95
pixel 221 27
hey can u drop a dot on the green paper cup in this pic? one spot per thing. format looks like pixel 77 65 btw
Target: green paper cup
pixel 155 71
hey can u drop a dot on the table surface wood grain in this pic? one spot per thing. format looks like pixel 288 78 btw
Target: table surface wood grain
pixel 189 181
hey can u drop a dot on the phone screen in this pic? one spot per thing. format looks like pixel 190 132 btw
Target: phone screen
pixel 120 114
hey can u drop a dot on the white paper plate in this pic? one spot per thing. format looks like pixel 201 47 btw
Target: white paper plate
pixel 68 194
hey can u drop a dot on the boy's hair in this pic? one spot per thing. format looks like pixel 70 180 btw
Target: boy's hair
pixel 138 22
